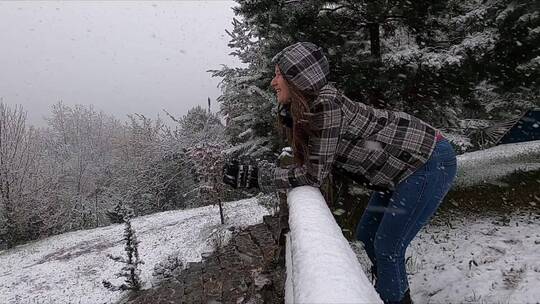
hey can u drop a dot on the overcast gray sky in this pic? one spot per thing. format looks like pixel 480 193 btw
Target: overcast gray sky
pixel 121 56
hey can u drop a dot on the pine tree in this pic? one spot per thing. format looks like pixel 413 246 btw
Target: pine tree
pixel 130 271
pixel 443 61
pixel 246 94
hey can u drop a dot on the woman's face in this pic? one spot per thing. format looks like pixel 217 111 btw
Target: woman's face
pixel 280 86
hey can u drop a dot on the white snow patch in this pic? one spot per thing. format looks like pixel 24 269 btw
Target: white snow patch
pixel 70 267
pixel 477 260
pixel 459 140
pixel 286 152
pixel 247 132
pixel 324 267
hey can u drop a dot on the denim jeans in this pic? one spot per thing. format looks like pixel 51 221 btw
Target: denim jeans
pixel 392 219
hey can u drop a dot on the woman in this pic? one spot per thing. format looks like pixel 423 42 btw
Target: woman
pixel 406 160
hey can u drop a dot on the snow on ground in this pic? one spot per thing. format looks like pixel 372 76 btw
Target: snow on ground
pixel 490 259
pixel 490 164
pixel 481 260
pixel 70 267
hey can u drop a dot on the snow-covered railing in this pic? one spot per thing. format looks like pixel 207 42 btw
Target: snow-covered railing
pixel 491 164
pixel 321 265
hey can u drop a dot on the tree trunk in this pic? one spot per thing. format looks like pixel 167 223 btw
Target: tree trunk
pixel 96 211
pixel 375 96
pixel 221 212
pixel 375 40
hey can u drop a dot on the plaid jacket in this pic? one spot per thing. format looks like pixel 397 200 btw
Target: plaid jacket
pixel 378 148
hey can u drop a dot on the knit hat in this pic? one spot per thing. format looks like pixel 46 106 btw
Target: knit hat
pixel 304 65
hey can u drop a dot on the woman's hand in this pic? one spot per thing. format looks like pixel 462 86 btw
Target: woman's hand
pixel 240 176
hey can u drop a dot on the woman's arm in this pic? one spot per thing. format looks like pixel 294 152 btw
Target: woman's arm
pixel 325 123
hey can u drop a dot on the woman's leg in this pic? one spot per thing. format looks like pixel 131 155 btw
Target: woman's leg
pixel 370 220
pixel 412 204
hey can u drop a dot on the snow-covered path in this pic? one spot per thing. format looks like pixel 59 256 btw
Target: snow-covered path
pixel 69 268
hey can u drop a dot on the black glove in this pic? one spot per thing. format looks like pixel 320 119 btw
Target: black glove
pixel 240 176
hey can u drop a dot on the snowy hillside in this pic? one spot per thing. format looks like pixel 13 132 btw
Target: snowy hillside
pixel 69 268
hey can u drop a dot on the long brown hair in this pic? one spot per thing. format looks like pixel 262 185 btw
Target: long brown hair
pixel 301 130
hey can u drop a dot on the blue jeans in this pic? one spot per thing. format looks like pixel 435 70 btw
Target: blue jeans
pixel 392 219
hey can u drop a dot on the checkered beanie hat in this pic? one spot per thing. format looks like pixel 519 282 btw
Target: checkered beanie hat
pixel 304 65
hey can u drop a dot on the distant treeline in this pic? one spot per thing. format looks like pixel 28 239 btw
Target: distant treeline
pixel 70 174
